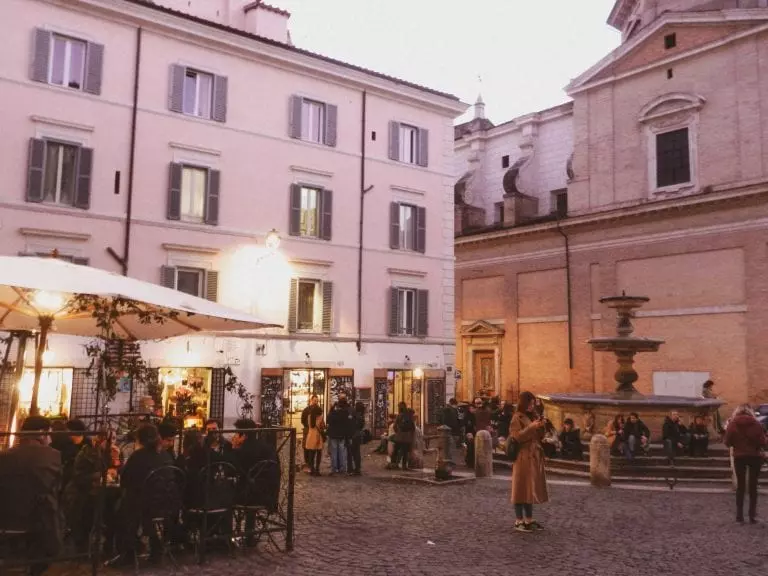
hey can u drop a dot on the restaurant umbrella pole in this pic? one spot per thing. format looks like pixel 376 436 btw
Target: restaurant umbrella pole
pixel 42 342
pixel 21 336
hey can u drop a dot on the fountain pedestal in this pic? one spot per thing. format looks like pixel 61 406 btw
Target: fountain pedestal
pixel 601 408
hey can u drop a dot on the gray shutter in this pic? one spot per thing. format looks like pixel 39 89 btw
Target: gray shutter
pixel 94 66
pixel 168 276
pixel 326 214
pixel 394 311
pixel 394 225
pixel 327 307
pixel 84 169
pixel 174 192
pixel 212 197
pixel 80 261
pixel 35 170
pixel 41 55
pixel 331 116
pixel 422 313
pixel 294 218
pixel 421 230
pixel 176 97
pixel 423 153
pixel 212 285
pixel 293 304
pixel 294 128
pixel 394 141
pixel 220 90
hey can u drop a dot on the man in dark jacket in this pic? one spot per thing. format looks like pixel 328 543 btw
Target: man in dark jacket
pixel 699 437
pixel 30 479
pixel 674 435
pixel 220 447
pixel 449 416
pixel 341 424
pixel 570 441
pixel 313 401
pixel 635 435
pixel 251 448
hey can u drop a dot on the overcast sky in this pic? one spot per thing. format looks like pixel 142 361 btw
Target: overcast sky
pixel 524 51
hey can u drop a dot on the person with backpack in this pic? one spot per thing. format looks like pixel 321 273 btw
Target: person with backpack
pixel 340 430
pixel 405 428
pixel 355 457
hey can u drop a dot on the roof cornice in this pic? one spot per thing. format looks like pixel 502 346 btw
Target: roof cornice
pixel 719 194
pixel 152 16
pixel 582 82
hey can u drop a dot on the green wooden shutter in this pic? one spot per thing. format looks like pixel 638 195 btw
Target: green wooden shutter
pixel 331 116
pixel 327 307
pixel 294 120
pixel 35 170
pixel 293 304
pixel 422 157
pixel 174 192
pixel 212 196
pixel 93 68
pixel 220 90
pixel 168 276
pixel 422 313
pixel 394 311
pixel 326 214
pixel 394 225
pixel 41 55
pixel 421 230
pixel 394 141
pixel 176 95
pixel 84 169
pixel 212 285
pixel 294 216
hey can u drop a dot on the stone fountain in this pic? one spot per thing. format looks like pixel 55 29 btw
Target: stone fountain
pixel 592 412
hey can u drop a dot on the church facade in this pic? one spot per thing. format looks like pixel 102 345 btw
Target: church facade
pixel 652 181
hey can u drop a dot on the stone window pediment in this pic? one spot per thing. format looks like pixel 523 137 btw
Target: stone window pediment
pixel 671 108
pixel 482 328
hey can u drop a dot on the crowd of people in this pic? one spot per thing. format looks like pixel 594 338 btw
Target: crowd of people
pixel 51 483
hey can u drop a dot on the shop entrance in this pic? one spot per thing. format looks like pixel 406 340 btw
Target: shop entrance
pixel 299 385
pixel 422 391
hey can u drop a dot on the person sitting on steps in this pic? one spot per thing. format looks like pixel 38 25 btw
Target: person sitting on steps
pixel 636 435
pixel 570 441
pixel 675 435
pixel 699 437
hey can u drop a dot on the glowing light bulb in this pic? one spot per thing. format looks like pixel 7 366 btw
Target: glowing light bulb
pixel 46 301
pixel 418 373
pixel 272 241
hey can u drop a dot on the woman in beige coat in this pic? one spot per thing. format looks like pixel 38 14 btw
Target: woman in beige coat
pixel 529 483
pixel 314 442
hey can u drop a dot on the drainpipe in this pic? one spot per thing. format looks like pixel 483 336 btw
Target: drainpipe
pixel 123 261
pixel 568 292
pixel 363 192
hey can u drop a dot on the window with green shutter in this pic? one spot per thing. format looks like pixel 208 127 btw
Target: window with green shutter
pixel 59 173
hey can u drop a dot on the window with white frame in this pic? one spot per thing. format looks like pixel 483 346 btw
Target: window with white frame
pixel 194 183
pixel 407 227
pixel 190 281
pixel 313 121
pixel 310 212
pixel 409 144
pixel 309 305
pixel 407 307
pixel 673 159
pixel 60 174
pixel 67 62
pixel 198 93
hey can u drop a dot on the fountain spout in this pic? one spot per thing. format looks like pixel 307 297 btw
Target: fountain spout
pixel 624 345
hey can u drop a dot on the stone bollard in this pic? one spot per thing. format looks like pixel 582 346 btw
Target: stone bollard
pixel 483 454
pixel 445 450
pixel 600 461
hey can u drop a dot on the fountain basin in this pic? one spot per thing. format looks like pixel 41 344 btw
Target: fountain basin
pixel 625 344
pixel 602 408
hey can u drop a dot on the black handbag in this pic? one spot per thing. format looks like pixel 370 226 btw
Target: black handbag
pixel 512 448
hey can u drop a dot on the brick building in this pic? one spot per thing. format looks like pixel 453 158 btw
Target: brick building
pixel 653 181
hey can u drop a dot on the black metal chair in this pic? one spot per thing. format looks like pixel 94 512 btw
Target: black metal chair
pixel 160 509
pixel 209 517
pixel 258 502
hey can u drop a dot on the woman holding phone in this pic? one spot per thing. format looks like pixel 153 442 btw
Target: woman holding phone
pixel 529 482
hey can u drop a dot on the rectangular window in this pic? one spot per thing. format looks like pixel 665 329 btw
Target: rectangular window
pixel 198 93
pixel 407 227
pixel 407 305
pixel 505 161
pixel 670 41
pixel 190 281
pixel 310 212
pixel 60 173
pixel 308 305
pixel 194 182
pixel 672 158
pixel 560 203
pixel 67 60
pixel 499 212
pixel 409 144
pixel 313 121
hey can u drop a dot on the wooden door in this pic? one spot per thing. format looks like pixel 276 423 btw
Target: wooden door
pixel 484 373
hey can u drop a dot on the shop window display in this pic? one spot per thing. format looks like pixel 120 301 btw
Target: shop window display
pixel 186 394
pixel 54 393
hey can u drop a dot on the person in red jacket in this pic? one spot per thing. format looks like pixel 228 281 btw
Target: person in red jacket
pixel 747 438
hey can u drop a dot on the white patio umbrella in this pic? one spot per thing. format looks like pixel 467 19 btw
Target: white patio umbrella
pixel 48 294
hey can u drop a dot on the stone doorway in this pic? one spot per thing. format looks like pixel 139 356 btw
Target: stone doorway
pixel 484 371
pixel 482 343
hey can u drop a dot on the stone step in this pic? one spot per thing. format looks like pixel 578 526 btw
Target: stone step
pixel 650 479
pixel 681 469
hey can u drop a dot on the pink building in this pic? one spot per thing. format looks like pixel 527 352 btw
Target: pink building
pixel 168 139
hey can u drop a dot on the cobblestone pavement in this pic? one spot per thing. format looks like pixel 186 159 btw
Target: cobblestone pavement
pixel 378 526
